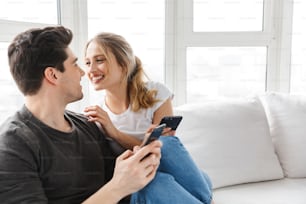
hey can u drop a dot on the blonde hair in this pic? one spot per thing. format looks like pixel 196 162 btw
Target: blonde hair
pixel 139 96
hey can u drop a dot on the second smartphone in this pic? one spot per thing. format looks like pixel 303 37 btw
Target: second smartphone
pixel 171 121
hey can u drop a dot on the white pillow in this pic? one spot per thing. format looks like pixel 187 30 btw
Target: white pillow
pixel 229 140
pixel 287 117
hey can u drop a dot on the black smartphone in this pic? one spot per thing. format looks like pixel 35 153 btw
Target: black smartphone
pixel 155 134
pixel 171 121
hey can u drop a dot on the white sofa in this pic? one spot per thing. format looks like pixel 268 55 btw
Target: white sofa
pixel 253 148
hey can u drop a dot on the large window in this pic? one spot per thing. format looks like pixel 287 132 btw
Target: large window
pixel 298 60
pixel 225 71
pixel 221 48
pixel 15 17
pixel 199 48
pixel 34 11
pixel 10 97
pixel 225 15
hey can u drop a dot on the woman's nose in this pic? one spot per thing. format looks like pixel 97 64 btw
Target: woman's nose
pixel 92 67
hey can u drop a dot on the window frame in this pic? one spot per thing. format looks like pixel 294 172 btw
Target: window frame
pixel 180 35
pixel 72 14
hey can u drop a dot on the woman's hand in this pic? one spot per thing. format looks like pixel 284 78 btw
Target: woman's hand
pixel 166 132
pixel 97 114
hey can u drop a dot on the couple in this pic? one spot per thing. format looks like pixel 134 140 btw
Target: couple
pixel 51 155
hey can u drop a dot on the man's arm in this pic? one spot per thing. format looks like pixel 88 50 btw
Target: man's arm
pixel 133 171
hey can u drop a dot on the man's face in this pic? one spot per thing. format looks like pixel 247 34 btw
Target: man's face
pixel 69 80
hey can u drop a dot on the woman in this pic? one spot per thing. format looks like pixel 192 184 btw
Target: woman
pixel 131 105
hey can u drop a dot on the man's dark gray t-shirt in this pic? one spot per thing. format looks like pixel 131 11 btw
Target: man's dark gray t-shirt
pixel 39 164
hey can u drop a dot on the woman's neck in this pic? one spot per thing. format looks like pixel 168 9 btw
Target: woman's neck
pixel 117 101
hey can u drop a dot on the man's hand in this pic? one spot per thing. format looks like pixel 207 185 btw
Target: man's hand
pixel 135 169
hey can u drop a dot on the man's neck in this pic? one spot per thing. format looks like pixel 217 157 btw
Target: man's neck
pixel 49 111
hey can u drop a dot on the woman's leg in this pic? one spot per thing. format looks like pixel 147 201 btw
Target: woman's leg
pixel 164 189
pixel 177 162
pixel 207 179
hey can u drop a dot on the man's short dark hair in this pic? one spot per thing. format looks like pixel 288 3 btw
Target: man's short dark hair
pixel 32 51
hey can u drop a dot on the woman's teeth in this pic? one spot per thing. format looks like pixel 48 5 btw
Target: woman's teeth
pixel 97 78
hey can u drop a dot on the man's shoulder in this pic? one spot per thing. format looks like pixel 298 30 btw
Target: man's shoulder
pixel 13 123
pixel 19 121
pixel 81 121
pixel 14 132
pixel 76 115
pixel 78 119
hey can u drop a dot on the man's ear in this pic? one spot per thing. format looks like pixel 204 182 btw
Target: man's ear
pixel 50 74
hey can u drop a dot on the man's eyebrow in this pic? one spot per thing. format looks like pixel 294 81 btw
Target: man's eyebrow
pixel 75 59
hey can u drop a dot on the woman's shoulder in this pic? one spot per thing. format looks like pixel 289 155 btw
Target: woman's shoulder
pixel 156 85
pixel 163 92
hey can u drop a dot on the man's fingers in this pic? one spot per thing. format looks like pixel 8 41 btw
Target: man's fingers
pixel 147 149
pixel 125 155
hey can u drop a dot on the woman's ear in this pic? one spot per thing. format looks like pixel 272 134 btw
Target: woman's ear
pixel 50 75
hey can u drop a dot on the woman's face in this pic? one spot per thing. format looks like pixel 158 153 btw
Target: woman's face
pixel 103 71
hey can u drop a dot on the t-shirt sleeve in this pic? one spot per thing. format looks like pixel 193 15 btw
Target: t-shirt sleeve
pixel 163 93
pixel 19 179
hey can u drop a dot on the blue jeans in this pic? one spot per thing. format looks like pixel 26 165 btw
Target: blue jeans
pixel 178 179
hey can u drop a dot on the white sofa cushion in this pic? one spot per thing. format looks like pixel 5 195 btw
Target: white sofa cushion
pixel 282 191
pixel 287 115
pixel 230 140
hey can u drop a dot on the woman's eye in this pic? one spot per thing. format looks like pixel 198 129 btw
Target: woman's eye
pixel 100 60
pixel 87 63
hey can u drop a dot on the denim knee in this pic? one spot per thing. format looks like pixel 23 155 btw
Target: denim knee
pixel 155 191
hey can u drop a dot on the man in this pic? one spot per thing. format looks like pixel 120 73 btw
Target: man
pixel 49 155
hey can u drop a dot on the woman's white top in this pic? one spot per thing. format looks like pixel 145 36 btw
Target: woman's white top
pixel 137 123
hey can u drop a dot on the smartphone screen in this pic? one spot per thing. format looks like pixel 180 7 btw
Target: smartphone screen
pixel 171 121
pixel 155 134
